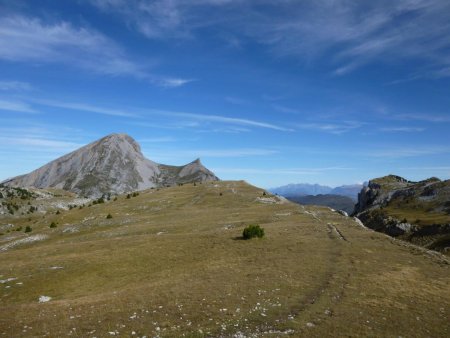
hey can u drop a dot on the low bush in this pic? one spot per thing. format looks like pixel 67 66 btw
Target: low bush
pixel 52 225
pixel 253 231
pixel 109 216
pixel 28 229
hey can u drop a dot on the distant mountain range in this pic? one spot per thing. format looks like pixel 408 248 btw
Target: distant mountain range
pixel 113 164
pixel 304 189
pixel 336 202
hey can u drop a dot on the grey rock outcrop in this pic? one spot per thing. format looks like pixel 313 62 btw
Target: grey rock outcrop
pixel 113 164
pixel 415 211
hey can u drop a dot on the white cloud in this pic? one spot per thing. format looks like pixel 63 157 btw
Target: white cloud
pixel 428 168
pixel 228 120
pixel 236 100
pixel 41 142
pixel 402 152
pixel 16 106
pixel 402 129
pixel 24 39
pixel 361 32
pixel 279 171
pixel 173 82
pixel 429 117
pixel 356 33
pixel 210 153
pixel 333 128
pixel 157 140
pixel 36 139
pixel 284 109
pixel 161 19
pixel 14 86
pixel 142 113
pixel 87 108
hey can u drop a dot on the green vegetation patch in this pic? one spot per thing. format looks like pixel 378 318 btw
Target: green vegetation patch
pixel 252 231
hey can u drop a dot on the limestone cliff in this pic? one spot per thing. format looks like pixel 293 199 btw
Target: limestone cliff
pixel 415 211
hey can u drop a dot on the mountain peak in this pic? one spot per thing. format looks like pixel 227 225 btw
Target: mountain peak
pixel 118 139
pixel 112 164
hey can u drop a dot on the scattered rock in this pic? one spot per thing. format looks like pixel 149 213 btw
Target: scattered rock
pixel 342 212
pixel 44 299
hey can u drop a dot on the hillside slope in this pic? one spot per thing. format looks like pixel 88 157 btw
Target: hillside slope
pixel 170 262
pixel 112 165
pixel 415 211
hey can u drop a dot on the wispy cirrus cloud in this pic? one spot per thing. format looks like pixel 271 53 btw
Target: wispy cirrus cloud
pixel 29 39
pixel 157 139
pixel 169 155
pixel 332 128
pixel 403 152
pixel 227 120
pixel 168 82
pixel 16 106
pixel 361 33
pixel 87 108
pixel 402 129
pixel 161 19
pixel 15 86
pixel 24 39
pixel 280 171
pixel 38 139
pixel 236 100
pixel 143 113
pixel 40 142
pixel 428 117
pixel 357 33
pixel 284 109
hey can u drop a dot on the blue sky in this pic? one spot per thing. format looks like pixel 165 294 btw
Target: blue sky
pixel 331 92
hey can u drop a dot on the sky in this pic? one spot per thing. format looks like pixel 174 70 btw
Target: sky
pixel 272 92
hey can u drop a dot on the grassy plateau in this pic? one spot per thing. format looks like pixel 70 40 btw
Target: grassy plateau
pixel 172 263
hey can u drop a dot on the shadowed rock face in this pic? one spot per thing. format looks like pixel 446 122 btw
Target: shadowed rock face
pixel 113 164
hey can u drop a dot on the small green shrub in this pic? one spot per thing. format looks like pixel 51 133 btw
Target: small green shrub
pixel 109 216
pixel 28 229
pixel 128 196
pixel 52 225
pixel 253 231
pixel 57 212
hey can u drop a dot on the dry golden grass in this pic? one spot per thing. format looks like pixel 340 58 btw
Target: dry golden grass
pixel 171 263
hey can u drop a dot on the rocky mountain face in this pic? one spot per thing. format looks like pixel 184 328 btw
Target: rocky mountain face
pixel 304 189
pixel 113 164
pixel 415 211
